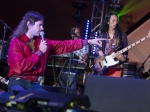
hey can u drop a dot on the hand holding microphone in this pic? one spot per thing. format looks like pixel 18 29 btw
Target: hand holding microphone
pixel 42 35
pixel 43 44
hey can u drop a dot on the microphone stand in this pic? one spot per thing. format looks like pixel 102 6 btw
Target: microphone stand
pixel 6 25
pixel 142 66
pixel 5 29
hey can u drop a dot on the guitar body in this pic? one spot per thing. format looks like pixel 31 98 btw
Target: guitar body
pixel 108 61
pixel 103 71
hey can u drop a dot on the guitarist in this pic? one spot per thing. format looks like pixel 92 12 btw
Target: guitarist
pixel 118 40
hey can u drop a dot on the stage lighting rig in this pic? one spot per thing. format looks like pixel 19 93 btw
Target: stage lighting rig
pixel 78 14
pixel 100 0
pixel 115 5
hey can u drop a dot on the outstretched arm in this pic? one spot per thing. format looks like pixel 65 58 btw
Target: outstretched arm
pixel 61 47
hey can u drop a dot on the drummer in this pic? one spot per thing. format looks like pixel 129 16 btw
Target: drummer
pixel 68 77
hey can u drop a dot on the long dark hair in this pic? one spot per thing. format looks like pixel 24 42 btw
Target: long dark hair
pixel 104 27
pixel 32 17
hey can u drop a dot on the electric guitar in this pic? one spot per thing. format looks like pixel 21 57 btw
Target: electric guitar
pixel 103 71
pixel 109 60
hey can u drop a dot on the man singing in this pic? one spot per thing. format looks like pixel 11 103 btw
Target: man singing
pixel 28 53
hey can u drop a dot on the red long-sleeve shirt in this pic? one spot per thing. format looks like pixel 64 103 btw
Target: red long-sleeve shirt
pixel 23 62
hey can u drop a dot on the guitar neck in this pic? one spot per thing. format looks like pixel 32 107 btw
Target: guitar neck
pixel 132 45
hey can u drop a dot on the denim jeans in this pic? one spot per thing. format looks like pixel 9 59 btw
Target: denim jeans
pixel 4 98
pixel 21 84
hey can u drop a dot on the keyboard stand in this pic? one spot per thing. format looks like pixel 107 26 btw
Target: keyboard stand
pixel 57 81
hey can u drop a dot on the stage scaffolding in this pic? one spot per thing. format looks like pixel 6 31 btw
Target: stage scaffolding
pixel 100 8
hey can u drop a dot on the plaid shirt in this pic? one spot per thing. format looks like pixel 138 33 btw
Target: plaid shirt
pixel 80 53
pixel 111 44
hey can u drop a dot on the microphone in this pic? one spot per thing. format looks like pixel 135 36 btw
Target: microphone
pixel 42 35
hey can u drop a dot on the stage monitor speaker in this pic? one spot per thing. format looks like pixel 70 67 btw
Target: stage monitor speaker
pixel 53 101
pixel 129 68
pixel 60 89
pixel 111 94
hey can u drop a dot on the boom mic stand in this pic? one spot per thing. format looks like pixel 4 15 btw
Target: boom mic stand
pixel 5 29
pixel 142 66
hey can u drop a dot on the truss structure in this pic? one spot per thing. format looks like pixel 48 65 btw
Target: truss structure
pixel 100 8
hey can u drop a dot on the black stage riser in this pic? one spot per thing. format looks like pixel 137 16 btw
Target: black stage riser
pixel 109 94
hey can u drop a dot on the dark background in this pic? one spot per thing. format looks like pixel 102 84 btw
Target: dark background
pixel 58 15
pixel 58 19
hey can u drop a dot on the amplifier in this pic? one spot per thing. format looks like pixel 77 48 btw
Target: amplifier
pixel 129 69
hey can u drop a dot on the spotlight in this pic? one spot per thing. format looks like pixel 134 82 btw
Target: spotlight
pixel 78 14
pixel 116 7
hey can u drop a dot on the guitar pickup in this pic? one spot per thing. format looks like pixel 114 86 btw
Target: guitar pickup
pixel 105 60
pixel 100 64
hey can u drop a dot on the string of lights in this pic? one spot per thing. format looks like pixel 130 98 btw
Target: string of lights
pixel 87 29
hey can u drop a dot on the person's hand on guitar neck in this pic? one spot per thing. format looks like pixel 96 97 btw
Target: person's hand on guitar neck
pixel 120 56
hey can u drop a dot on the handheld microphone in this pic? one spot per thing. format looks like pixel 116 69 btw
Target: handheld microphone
pixel 42 35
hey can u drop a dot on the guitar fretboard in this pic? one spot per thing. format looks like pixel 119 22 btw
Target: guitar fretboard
pixel 132 45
